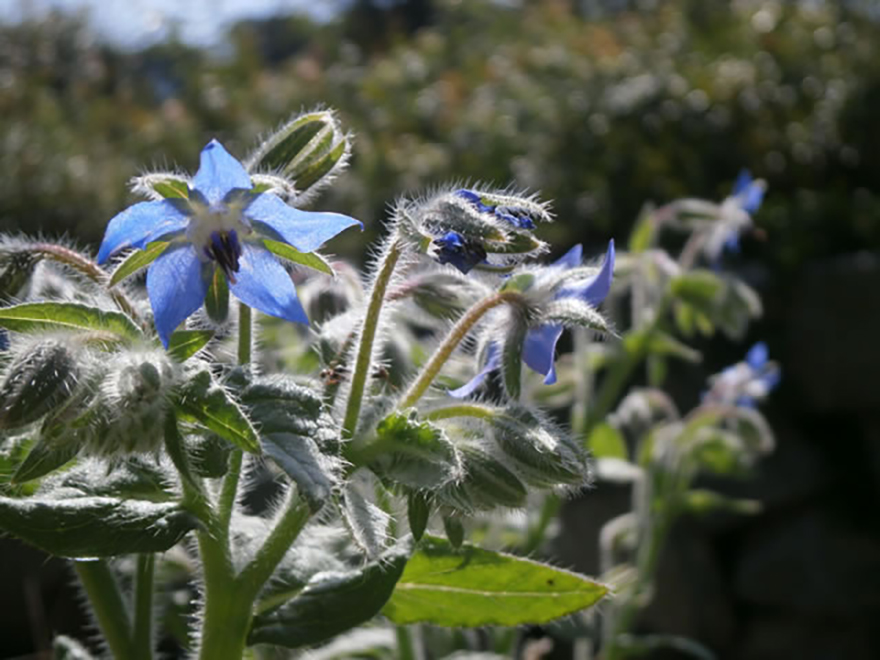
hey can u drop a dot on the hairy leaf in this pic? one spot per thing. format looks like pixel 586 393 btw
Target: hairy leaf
pixel 472 587
pixel 209 404
pixel 137 260
pixel 186 343
pixel 36 317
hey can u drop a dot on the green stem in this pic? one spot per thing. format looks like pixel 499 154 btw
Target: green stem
pixel 107 602
pixel 449 344
pixel 260 569
pixel 461 410
pixel 142 639
pixel 245 334
pixel 405 644
pixel 368 336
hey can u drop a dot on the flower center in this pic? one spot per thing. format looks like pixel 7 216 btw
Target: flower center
pixel 225 249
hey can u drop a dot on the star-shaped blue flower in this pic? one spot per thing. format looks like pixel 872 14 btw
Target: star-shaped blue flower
pixel 745 383
pixel 747 195
pixel 221 224
pixel 539 348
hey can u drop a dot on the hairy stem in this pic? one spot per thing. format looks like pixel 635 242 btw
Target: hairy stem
pixel 143 607
pixel 260 569
pixel 451 342
pixel 107 602
pixel 368 335
pixel 461 410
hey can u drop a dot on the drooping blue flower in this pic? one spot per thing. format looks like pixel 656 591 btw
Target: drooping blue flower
pixel 745 383
pixel 735 215
pixel 453 248
pixel 517 216
pixel 220 225
pixel 539 347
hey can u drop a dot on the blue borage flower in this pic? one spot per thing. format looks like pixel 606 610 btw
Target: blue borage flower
pixel 221 224
pixel 735 215
pixel 453 248
pixel 745 383
pixel 518 216
pixel 539 348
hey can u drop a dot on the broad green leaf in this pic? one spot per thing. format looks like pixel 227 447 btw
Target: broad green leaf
pixel 94 526
pixel 472 587
pixel 136 261
pixel 209 404
pixel 331 603
pixel 186 343
pixel 48 316
pixel 311 260
pixel 217 298
pixel 296 433
pixel 605 441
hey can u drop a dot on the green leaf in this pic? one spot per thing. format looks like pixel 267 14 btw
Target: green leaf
pixel 661 343
pixel 297 433
pixel 644 231
pixel 136 261
pixel 186 343
pixel 700 288
pixel 605 441
pixel 512 355
pixel 311 260
pixel 48 316
pixel 47 455
pixel 418 510
pixel 331 604
pixel 519 283
pixel 472 587
pixel 209 404
pixel 94 526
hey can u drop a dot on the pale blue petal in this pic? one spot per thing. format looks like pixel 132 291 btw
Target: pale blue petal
pixel 177 283
pixel 262 283
pixel 138 225
pixel 595 290
pixel 304 230
pixel 749 192
pixel 219 173
pixel 493 361
pixel 757 356
pixel 572 258
pixel 743 181
pixel 539 350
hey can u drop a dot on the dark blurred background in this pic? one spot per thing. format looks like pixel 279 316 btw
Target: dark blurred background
pixel 600 105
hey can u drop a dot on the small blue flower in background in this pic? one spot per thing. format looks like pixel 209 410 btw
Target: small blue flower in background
pixel 539 348
pixel 735 215
pixel 515 215
pixel 745 383
pixel 452 248
pixel 221 224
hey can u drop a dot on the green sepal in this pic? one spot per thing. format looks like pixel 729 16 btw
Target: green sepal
pixel 137 260
pixel 186 343
pixel 311 260
pixel 471 587
pixel 217 298
pixel 418 510
pixel 454 530
pixel 46 455
pixel 415 453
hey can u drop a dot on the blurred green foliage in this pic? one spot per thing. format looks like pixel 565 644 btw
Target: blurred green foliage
pixel 597 113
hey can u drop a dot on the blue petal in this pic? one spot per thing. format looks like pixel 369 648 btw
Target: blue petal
pixel 572 258
pixel 771 379
pixel 138 225
pixel 304 230
pixel 493 361
pixel 731 243
pixel 177 283
pixel 219 173
pixel 262 283
pixel 539 350
pixel 749 191
pixel 757 356
pixel 743 181
pixel 596 289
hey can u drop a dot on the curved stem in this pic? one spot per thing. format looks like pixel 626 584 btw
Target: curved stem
pixel 142 640
pixel 260 569
pixel 449 344
pixel 368 336
pixel 107 602
pixel 461 410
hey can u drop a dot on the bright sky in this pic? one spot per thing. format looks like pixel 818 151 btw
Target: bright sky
pixel 140 22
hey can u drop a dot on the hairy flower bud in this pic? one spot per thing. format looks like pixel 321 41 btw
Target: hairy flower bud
pixel 133 403
pixel 40 381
